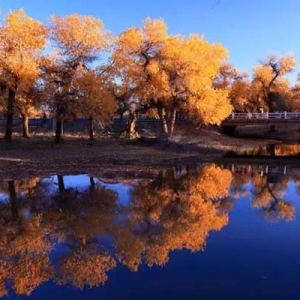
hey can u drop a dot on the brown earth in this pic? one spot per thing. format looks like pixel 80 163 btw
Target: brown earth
pixel 110 157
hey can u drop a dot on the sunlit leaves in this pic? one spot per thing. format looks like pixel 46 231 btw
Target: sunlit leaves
pixel 172 213
pixel 21 40
pixel 272 86
pixel 95 97
pixel 86 267
pixel 170 72
pixel 79 37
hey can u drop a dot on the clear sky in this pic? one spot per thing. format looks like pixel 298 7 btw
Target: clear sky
pixel 249 29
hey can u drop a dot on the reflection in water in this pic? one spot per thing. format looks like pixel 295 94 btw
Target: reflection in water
pixel 268 188
pixel 275 150
pixel 90 232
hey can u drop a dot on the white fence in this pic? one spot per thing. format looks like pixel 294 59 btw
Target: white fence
pixel 266 115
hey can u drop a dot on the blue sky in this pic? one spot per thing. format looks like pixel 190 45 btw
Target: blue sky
pixel 249 29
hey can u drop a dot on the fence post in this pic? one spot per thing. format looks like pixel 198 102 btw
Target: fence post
pixel 285 114
pixel 232 115
pixel 267 115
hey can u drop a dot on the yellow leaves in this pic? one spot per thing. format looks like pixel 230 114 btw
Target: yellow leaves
pixel 21 40
pixel 211 106
pixel 286 211
pixel 173 213
pixel 273 68
pixel 155 30
pixel 153 68
pixel 24 31
pixel 214 182
pixel 130 40
pixel 172 70
pixel 95 96
pixel 30 272
pixel 263 73
pixel 86 268
pixel 79 35
pixel 287 63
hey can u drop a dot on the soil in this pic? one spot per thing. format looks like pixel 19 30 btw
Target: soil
pixel 110 157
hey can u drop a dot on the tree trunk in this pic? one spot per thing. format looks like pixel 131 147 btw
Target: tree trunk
pixel 131 126
pixel 25 126
pixel 13 200
pixel 58 130
pixel 164 134
pixel 10 114
pixel 61 184
pixel 91 128
pixel 172 122
pixel 62 194
pixel 92 185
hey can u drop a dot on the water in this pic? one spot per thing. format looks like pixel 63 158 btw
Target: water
pixel 216 232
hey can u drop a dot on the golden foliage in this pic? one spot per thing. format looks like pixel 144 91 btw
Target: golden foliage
pixel 172 214
pixel 86 268
pixel 171 72
pixel 31 271
pixel 21 41
pixel 79 36
pixel 286 150
pixel 96 98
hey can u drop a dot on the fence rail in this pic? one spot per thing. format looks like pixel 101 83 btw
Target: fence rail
pixel 266 116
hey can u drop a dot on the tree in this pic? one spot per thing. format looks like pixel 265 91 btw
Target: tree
pixel 96 101
pixel 79 41
pixel 237 85
pixel 28 106
pixel 270 82
pixel 170 73
pixel 21 41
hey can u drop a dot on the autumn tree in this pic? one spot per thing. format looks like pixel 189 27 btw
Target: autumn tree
pixel 237 85
pixel 96 99
pixel 78 41
pixel 168 73
pixel 28 104
pixel 270 82
pixel 21 41
pixel 172 212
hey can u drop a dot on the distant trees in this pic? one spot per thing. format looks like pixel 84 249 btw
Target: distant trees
pixel 147 70
pixel 271 84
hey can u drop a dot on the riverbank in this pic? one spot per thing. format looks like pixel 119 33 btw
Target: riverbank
pixel 108 156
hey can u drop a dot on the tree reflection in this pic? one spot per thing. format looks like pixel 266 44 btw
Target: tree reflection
pixel 87 219
pixel 267 193
pixel 176 210
pixel 171 213
pixel 24 246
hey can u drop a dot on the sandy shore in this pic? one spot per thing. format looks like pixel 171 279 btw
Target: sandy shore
pixel 109 156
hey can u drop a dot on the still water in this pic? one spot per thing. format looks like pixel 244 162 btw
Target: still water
pixel 215 232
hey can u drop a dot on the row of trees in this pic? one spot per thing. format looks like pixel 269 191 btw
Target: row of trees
pixel 176 210
pixel 56 67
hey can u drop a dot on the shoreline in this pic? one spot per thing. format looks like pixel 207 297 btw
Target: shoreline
pixel 110 157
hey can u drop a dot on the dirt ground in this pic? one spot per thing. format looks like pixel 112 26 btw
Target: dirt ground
pixel 109 156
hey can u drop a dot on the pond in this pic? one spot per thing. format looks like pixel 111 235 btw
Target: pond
pixel 211 232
